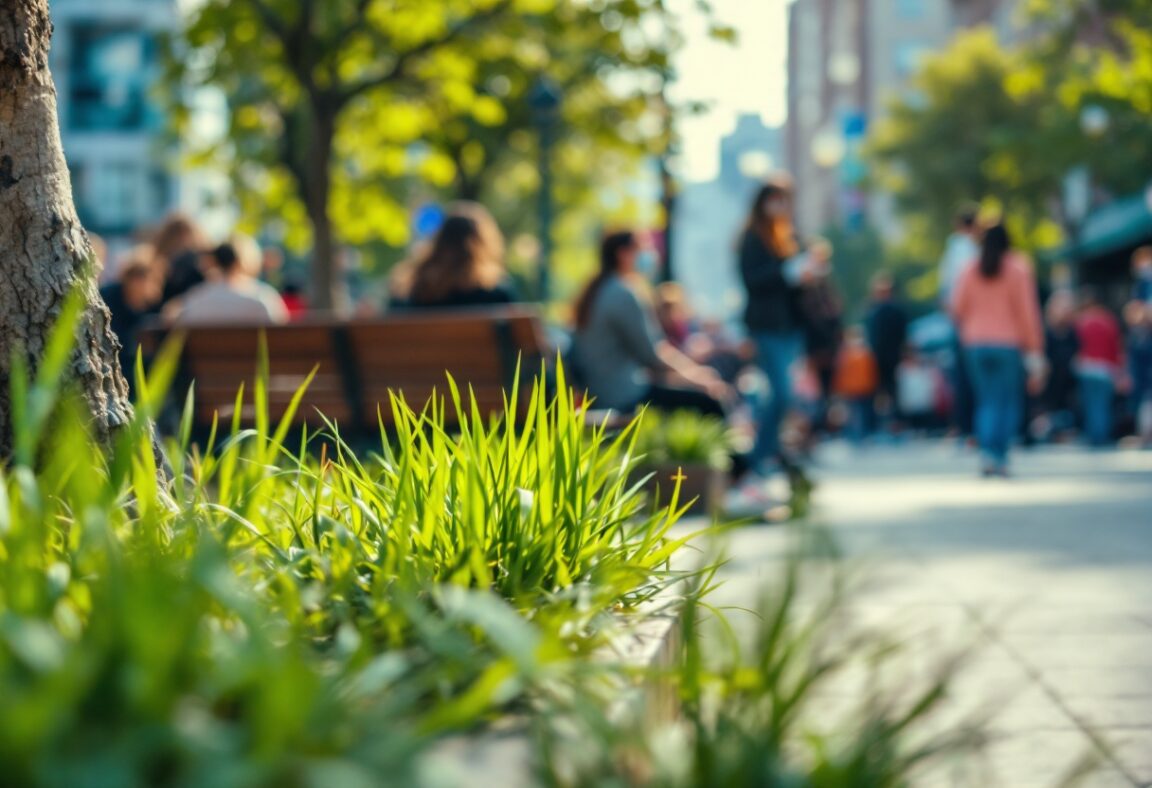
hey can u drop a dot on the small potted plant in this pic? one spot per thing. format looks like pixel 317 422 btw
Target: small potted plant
pixel 687 447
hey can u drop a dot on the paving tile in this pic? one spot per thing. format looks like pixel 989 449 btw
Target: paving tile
pixel 1041 579
pixel 1133 750
pixel 1133 712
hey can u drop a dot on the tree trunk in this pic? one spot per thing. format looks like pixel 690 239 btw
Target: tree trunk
pixel 44 252
pixel 329 290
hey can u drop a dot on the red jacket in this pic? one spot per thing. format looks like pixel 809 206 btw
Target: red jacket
pixel 1100 339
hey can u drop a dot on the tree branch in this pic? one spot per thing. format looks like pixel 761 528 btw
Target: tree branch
pixel 293 40
pixel 399 67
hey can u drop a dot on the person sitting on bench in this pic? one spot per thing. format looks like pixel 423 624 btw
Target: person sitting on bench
pixel 463 265
pixel 621 357
pixel 232 293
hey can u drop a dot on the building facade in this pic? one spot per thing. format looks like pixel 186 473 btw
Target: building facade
pixel 710 215
pixel 847 60
pixel 105 59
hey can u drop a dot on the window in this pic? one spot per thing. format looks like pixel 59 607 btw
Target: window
pixel 111 70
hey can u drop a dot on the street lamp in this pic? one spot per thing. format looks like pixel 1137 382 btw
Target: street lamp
pixel 544 104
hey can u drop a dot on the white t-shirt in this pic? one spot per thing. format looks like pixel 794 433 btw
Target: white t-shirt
pixel 960 252
pixel 248 301
pixel 916 388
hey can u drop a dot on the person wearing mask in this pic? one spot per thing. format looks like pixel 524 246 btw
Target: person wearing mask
pixel 621 355
pixel 1099 367
pixel 133 299
pixel 1061 346
pixel 463 266
pixel 997 311
pixel 233 293
pixel 960 251
pixel 887 327
pixel 1142 274
pixel 822 311
pixel 771 268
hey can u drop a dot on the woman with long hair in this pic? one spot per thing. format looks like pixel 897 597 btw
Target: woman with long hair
pixel 768 266
pixel 997 312
pixel 180 247
pixel 620 355
pixel 464 263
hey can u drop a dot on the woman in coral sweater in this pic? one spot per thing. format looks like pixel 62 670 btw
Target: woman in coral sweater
pixel 997 311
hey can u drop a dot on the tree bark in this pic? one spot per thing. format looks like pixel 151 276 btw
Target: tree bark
pixel 329 290
pixel 44 252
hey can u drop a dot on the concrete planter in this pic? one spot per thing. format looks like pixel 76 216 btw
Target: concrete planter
pixel 702 484
pixel 649 642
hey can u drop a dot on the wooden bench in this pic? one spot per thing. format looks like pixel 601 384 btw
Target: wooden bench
pixel 358 364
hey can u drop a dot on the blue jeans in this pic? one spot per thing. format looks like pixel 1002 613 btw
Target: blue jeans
pixel 1096 394
pixel 997 375
pixel 861 414
pixel 775 354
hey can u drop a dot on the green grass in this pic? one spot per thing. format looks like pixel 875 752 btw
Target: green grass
pixel 274 616
pixel 275 609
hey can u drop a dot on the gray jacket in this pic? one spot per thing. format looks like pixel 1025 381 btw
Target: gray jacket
pixel 616 351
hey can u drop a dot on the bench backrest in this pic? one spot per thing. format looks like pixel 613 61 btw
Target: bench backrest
pixel 412 354
pixel 358 363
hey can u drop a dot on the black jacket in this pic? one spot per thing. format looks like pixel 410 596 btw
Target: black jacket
pixel 772 302
pixel 887 332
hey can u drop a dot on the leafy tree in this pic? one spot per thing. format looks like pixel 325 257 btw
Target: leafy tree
pixel 963 136
pixel 329 100
pixel 1005 125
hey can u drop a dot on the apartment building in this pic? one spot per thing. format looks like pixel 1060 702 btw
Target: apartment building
pixel 847 59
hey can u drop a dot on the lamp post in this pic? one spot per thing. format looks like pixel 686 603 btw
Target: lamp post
pixel 1078 189
pixel 544 104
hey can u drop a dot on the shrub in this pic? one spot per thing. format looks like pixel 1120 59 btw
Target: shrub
pixel 278 616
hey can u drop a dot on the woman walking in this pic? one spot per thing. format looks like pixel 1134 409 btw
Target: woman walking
pixel 771 271
pixel 997 311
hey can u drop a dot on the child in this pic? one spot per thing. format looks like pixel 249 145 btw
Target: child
pixel 1138 319
pixel 856 381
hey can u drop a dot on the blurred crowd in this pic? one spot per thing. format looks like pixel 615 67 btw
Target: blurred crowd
pixel 791 370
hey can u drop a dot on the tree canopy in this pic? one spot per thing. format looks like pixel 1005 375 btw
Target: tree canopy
pixel 1007 124
pixel 340 112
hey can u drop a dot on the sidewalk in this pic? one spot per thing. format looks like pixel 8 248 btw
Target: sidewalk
pixel 1048 575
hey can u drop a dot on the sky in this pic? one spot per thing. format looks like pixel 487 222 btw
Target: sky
pixel 746 77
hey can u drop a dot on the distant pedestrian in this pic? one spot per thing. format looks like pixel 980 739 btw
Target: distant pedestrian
pixel 771 267
pixel 1099 367
pixel 1138 321
pixel 960 253
pixel 232 294
pixel 887 324
pixel 294 300
pixel 918 387
pixel 1061 346
pixel 1142 274
pixel 463 266
pixel 856 381
pixel 998 313
pixel 822 310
